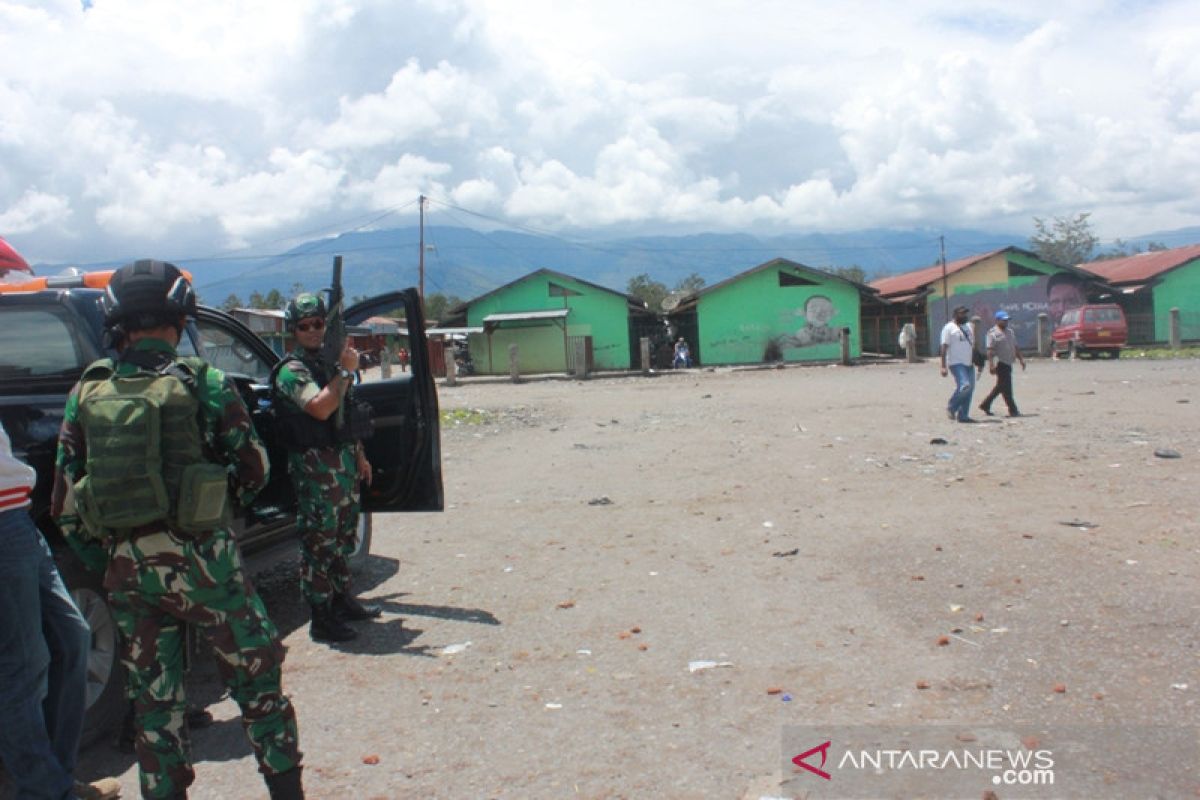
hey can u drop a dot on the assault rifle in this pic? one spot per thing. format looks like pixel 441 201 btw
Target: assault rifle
pixel 335 333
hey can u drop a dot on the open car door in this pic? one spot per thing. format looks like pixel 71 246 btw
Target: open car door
pixel 406 450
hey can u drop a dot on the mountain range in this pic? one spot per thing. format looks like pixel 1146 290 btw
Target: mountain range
pixel 466 263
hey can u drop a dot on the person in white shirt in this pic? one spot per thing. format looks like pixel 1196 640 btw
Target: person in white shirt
pixel 44 645
pixel 958 344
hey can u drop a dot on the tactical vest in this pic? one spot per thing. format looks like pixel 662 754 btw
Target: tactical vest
pixel 145 455
pixel 295 429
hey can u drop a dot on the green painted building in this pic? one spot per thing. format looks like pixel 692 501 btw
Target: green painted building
pixel 777 311
pixel 1150 285
pixel 545 313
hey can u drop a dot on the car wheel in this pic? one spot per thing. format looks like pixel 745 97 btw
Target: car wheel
pixel 105 674
pixel 362 545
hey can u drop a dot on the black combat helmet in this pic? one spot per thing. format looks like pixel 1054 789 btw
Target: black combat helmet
pixel 147 294
pixel 303 306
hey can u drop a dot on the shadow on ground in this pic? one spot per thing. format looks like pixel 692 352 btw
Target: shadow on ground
pixel 279 588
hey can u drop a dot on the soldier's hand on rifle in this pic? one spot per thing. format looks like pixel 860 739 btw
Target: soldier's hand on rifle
pixel 364 468
pixel 349 358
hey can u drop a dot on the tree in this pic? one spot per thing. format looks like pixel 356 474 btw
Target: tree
pixel 274 299
pixel 1064 240
pixel 438 304
pixel 851 273
pixel 691 284
pixel 648 290
pixel 231 302
pixel 256 300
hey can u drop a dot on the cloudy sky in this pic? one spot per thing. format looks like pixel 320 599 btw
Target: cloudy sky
pixel 186 129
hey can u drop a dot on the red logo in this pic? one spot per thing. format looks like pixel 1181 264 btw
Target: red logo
pixel 824 750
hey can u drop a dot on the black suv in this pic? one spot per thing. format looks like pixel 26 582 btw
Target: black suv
pixel 47 337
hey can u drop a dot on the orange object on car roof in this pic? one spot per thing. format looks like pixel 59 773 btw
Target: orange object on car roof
pixel 10 259
pixel 87 280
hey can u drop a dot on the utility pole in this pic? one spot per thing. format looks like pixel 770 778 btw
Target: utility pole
pixel 945 290
pixel 421 257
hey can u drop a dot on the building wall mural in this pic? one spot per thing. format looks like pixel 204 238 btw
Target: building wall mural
pixel 777 314
pixel 1022 286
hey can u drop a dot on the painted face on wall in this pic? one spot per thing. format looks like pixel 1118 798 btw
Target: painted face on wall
pixel 818 310
pixel 1062 298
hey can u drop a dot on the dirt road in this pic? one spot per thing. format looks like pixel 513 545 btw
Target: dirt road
pixel 796 526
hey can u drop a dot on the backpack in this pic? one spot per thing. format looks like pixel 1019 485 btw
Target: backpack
pixel 145 458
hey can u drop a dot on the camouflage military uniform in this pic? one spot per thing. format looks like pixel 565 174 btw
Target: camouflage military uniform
pixel 158 580
pixel 327 492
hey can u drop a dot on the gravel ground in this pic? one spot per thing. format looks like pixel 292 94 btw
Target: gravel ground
pixel 796 524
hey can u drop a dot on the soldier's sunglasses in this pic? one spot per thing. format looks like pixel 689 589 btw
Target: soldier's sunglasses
pixel 315 325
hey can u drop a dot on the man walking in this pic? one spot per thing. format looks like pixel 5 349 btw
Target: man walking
pixel 326 464
pixel 148 447
pixel 44 643
pixel 1002 351
pixel 957 347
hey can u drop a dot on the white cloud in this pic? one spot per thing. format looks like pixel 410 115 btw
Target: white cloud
pixel 35 210
pixel 134 123
pixel 438 103
pixel 398 184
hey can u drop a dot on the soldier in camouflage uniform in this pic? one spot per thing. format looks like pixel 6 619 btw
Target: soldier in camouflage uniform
pixel 164 574
pixel 325 468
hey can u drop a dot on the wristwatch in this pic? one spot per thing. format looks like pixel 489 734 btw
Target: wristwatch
pixel 345 373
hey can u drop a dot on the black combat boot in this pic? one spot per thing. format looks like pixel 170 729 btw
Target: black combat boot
pixel 347 606
pixel 285 785
pixel 326 627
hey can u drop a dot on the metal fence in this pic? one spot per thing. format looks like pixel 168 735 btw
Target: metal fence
pixel 1142 327
pixel 880 335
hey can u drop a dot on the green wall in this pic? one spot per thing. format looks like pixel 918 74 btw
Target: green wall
pixel 1180 288
pixel 753 319
pixel 595 312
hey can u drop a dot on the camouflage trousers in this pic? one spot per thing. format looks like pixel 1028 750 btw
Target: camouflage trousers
pixel 160 582
pixel 326 484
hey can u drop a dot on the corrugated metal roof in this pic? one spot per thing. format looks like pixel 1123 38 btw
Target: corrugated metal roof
pixel 776 263
pixel 1143 266
pixel 382 325
pixel 556 313
pixel 451 332
pixel 909 282
pixel 553 273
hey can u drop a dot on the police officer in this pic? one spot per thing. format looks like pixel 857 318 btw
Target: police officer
pixel 148 445
pixel 326 464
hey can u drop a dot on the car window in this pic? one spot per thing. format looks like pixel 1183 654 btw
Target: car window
pixel 1071 317
pixel 228 353
pixel 187 345
pixel 1103 315
pixel 37 342
pixel 379 338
